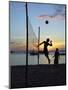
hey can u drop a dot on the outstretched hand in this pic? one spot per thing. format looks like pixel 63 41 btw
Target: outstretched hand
pixel 51 41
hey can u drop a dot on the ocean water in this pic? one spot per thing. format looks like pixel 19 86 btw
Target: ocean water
pixel 20 59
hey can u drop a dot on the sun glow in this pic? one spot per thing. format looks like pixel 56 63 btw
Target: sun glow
pixel 59 45
pixel 55 45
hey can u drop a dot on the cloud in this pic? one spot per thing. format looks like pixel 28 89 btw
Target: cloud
pixel 58 14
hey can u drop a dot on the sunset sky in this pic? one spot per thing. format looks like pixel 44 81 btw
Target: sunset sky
pixel 38 14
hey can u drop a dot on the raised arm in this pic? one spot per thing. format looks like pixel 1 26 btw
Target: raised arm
pixel 50 44
pixel 41 43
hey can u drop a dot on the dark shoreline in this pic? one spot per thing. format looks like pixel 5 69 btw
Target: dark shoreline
pixel 38 75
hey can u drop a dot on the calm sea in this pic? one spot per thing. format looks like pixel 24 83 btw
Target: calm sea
pixel 20 59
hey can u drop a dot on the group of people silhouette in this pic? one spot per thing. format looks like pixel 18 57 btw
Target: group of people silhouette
pixel 47 43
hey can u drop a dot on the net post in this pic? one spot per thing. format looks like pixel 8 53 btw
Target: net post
pixel 38 42
pixel 26 73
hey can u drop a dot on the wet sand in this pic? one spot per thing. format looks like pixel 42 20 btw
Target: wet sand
pixel 38 75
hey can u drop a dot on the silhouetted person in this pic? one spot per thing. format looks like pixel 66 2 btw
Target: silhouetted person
pixel 46 44
pixel 56 56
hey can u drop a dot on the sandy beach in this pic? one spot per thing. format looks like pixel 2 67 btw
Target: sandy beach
pixel 38 75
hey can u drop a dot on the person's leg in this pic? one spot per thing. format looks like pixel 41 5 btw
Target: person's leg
pixel 46 54
pixel 48 59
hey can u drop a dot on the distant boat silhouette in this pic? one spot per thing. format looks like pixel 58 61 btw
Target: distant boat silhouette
pixel 33 52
